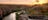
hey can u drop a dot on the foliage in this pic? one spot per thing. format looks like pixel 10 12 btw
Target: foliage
pixel 17 16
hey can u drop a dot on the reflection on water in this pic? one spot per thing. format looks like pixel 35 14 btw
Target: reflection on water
pixel 12 16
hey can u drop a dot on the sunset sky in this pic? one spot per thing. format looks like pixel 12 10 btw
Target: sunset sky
pixel 21 1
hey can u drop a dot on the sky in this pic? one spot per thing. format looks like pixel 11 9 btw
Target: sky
pixel 31 2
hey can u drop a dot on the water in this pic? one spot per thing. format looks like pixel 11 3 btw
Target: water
pixel 12 16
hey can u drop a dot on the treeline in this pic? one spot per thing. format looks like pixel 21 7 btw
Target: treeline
pixel 6 9
pixel 9 8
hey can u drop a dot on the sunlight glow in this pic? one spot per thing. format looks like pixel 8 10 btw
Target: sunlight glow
pixel 24 2
pixel 40 1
